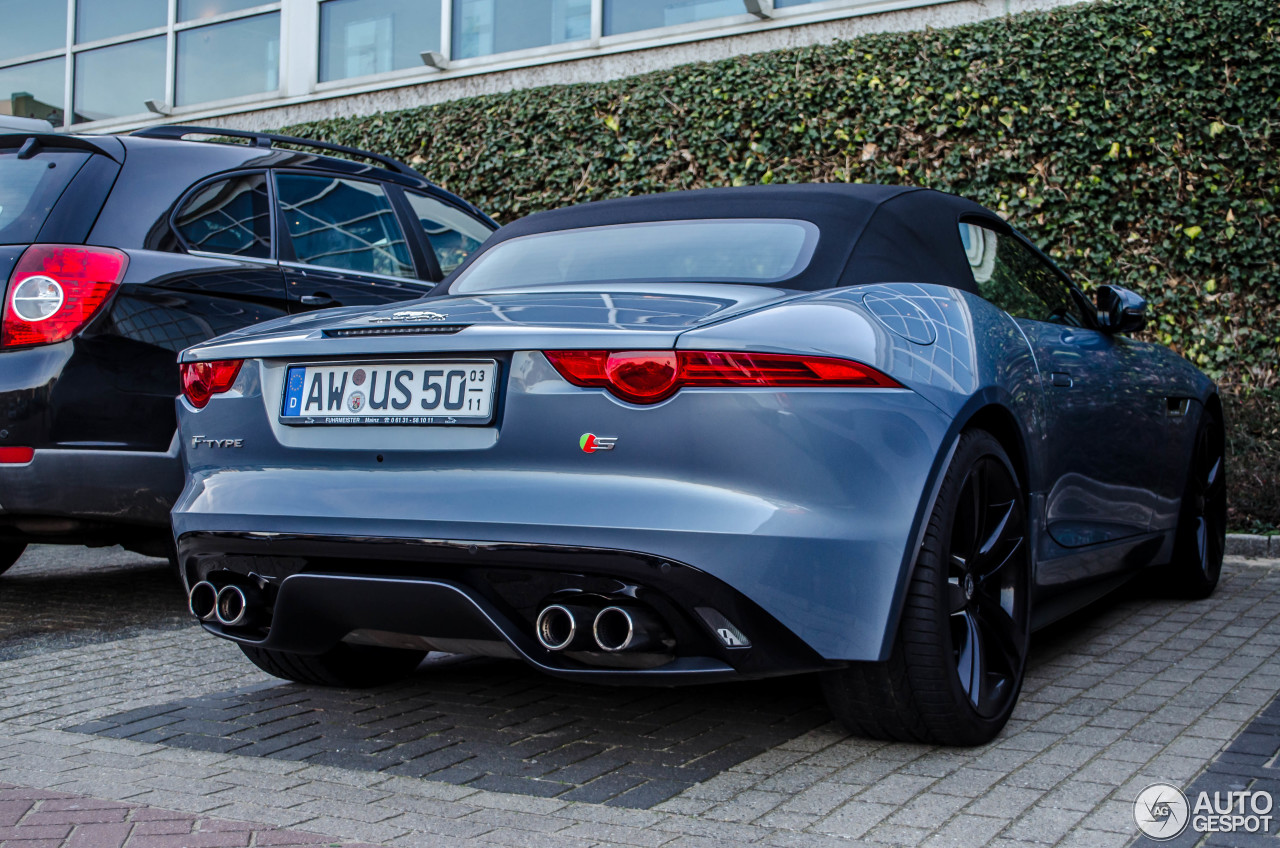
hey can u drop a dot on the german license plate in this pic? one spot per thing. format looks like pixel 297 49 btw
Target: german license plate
pixel 438 392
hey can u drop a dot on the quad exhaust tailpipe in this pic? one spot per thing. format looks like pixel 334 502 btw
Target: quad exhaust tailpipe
pixel 631 629
pixel 612 628
pixel 234 605
pixel 203 600
pixel 566 627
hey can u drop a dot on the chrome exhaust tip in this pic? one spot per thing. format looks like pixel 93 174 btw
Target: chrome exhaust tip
pixel 232 608
pixel 556 626
pixel 203 600
pixel 566 626
pixel 629 628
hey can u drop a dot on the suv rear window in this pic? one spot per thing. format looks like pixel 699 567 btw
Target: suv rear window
pixel 30 187
pixel 231 216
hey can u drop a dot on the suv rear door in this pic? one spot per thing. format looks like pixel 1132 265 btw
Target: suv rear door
pixel 343 243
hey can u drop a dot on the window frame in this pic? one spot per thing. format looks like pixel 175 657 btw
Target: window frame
pixel 273 255
pixel 1003 228
pixel 415 222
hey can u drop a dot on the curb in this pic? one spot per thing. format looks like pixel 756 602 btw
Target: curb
pixel 1248 545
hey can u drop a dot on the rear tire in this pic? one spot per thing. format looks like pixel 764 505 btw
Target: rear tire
pixel 343 665
pixel 957 663
pixel 1202 521
pixel 9 553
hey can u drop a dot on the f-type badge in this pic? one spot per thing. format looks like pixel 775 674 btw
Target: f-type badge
pixel 202 442
pixel 590 442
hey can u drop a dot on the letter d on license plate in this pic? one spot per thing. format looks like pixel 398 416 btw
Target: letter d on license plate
pixel 437 392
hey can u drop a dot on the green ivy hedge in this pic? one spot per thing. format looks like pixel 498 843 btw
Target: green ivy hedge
pixel 1136 140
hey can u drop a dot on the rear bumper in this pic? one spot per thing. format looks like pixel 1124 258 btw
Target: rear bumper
pixel 828 573
pixel 73 492
pixel 106 468
pixel 482 599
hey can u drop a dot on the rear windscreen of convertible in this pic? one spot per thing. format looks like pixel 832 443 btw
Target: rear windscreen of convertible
pixel 737 250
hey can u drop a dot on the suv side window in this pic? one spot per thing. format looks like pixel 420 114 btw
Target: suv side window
pixel 452 234
pixel 345 224
pixel 1014 278
pixel 230 216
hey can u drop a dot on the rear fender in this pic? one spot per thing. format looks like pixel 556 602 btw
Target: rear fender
pixel 926 338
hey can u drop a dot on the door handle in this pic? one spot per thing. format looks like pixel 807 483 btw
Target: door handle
pixel 1061 379
pixel 320 299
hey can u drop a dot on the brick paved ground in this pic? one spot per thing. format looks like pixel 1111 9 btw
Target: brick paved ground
pixel 62 597
pixel 496 725
pixel 1136 691
pixel 41 818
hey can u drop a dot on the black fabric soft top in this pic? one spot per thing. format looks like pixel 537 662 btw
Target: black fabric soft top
pixel 868 233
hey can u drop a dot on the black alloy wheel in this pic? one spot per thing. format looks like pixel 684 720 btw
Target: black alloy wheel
pixel 957 664
pixel 1202 523
pixel 987 587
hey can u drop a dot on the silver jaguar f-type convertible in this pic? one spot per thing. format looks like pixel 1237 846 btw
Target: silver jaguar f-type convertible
pixel 864 431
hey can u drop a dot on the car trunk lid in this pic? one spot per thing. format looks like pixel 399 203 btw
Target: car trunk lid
pixel 527 320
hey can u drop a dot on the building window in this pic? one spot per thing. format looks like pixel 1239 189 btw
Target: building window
pixel 34 90
pixel 122 52
pixel 363 37
pixel 112 82
pixel 31 28
pixel 196 10
pixel 99 19
pixel 485 27
pixel 204 72
pixel 632 15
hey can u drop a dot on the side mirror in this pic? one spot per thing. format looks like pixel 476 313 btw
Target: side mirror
pixel 1120 310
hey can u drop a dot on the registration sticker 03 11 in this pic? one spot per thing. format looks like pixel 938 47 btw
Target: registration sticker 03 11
pixel 404 393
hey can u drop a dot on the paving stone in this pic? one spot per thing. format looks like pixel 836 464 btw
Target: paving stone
pixel 64 821
pixel 854 818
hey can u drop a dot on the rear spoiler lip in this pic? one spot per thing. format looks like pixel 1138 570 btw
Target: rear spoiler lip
pixel 108 146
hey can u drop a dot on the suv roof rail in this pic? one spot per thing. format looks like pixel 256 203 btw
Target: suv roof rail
pixel 268 140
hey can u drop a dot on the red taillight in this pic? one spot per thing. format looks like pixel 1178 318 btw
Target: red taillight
pixel 16 456
pixel 643 376
pixel 203 380
pixel 56 289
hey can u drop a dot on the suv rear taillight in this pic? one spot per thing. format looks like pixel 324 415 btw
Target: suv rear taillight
pixel 648 376
pixel 55 290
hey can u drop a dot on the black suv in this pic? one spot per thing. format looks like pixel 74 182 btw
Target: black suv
pixel 120 251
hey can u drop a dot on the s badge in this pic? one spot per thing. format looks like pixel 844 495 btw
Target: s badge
pixel 590 442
